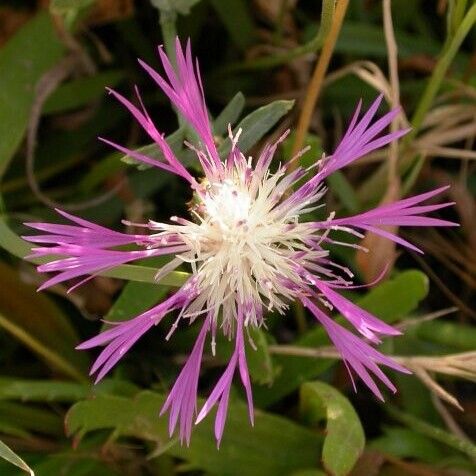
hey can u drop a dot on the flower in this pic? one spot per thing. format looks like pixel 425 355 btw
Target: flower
pixel 246 243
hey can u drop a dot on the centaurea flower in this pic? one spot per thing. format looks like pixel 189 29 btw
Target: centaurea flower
pixel 246 244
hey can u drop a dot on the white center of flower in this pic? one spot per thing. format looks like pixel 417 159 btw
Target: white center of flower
pixel 227 205
pixel 245 250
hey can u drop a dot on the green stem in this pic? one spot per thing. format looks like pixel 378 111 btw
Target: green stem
pixel 438 434
pixel 457 14
pixel 168 27
pixel 448 334
pixel 146 274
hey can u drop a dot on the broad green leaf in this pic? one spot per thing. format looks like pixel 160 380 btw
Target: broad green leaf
pixel 108 166
pixel 80 92
pixel 60 390
pixel 69 463
pixel 451 334
pixel 345 439
pixel 372 41
pixel 442 435
pixel 7 454
pixel 134 299
pixel 146 274
pixel 390 301
pixel 42 390
pixel 405 443
pixel 308 472
pixel 229 115
pixel 38 323
pixel 275 446
pixel 31 418
pixel 175 141
pixel 23 60
pixel 260 361
pixel 256 124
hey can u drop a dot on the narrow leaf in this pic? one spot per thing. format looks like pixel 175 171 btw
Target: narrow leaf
pixel 7 454
pixel 256 124
pixel 26 57
pixel 275 446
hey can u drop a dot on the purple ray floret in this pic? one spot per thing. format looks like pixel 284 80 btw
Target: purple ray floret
pixel 246 243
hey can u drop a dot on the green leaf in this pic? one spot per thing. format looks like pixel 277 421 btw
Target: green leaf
pixel 256 124
pixel 42 390
pixel 275 446
pixel 372 41
pixel 390 301
pixel 31 418
pixel 174 6
pixel 311 156
pixel 134 299
pixel 7 454
pixel 405 443
pixel 39 324
pixel 260 361
pixel 342 188
pixel 153 151
pixel 146 274
pixel 396 298
pixel 80 92
pixel 345 439
pixel 70 463
pixel 444 436
pixel 308 472
pixel 71 10
pixel 26 57
pixel 451 334
pixel 237 19
pixel 229 115
pixel 59 390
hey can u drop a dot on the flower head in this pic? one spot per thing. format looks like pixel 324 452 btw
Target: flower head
pixel 246 243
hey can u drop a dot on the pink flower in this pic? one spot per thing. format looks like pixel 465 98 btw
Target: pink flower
pixel 247 247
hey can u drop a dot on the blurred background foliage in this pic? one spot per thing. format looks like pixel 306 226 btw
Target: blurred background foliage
pixel 266 64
